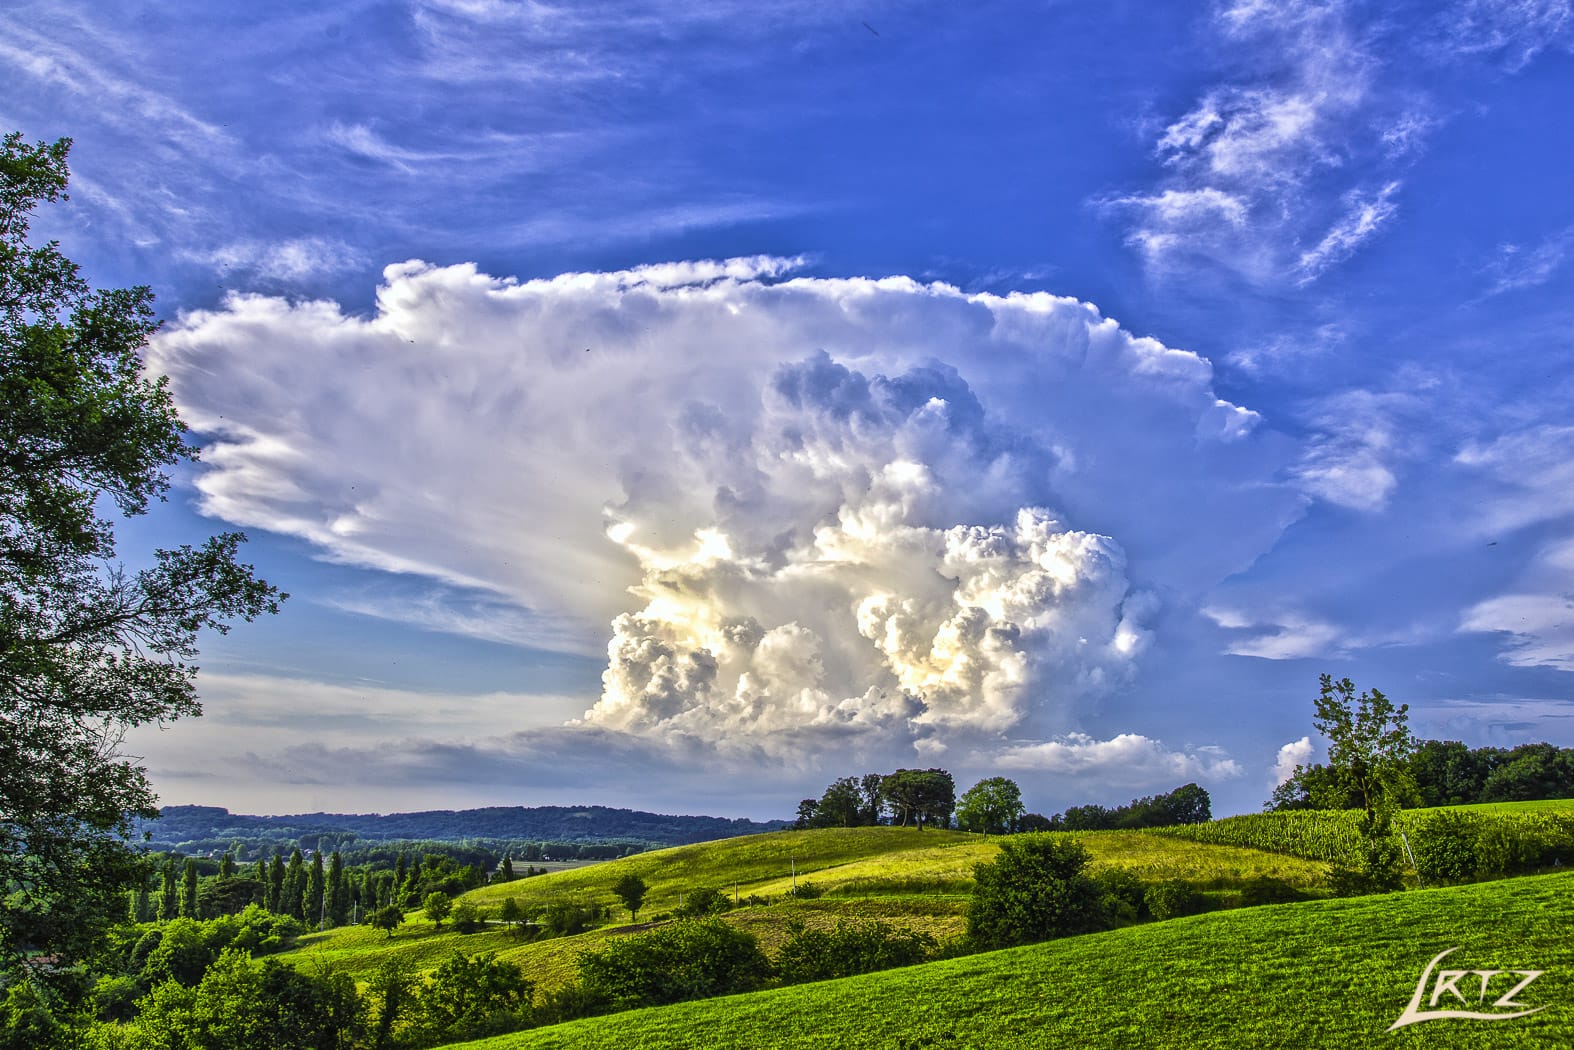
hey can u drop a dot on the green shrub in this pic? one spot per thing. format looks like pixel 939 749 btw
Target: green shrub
pixel 1265 889
pixel 689 959
pixel 701 902
pixel 1444 846
pixel 564 918
pixel 808 891
pixel 1170 900
pixel 1120 894
pixel 850 948
pixel 1034 891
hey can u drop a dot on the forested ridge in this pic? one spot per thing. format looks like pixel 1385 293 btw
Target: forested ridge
pixel 201 828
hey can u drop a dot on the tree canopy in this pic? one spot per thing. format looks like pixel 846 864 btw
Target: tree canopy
pixel 88 647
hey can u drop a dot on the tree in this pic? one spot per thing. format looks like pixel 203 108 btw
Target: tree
pixel 88 648
pixel 188 889
pixel 293 894
pixel 275 897
pixel 314 904
pixel 510 914
pixel 1034 891
pixel 841 806
pixel 1369 749
pixel 921 795
pixel 338 892
pixel 436 907
pixel 505 873
pixel 168 901
pixel 388 918
pixel 805 814
pixel 992 806
pixel 630 889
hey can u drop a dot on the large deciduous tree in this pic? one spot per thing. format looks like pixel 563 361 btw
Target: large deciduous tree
pixel 88 647
pixel 992 806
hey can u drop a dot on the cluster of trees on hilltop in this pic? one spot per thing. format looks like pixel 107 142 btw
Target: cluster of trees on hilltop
pixel 918 796
pixel 993 806
pixel 1187 804
pixel 1444 773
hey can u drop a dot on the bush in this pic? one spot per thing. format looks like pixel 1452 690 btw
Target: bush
pixel 1445 848
pixel 1265 889
pixel 851 948
pixel 472 998
pixel 808 891
pixel 701 902
pixel 1120 894
pixel 467 918
pixel 564 918
pixel 689 959
pixel 1035 891
pixel 1170 900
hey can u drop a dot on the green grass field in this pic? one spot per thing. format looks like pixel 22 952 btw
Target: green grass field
pixel 1333 973
pixel 911 880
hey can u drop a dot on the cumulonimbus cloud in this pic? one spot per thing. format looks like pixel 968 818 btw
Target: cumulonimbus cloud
pixel 803 506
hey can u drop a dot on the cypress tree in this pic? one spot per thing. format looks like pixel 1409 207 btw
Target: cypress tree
pixel 507 870
pixel 294 892
pixel 314 907
pixel 188 889
pixel 275 885
pixel 168 902
pixel 227 866
pixel 338 892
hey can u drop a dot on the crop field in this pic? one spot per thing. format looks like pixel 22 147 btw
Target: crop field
pixel 1315 974
pixel 1520 836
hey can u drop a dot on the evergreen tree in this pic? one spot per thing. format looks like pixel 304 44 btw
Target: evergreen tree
pixel 226 866
pixel 506 872
pixel 168 902
pixel 141 904
pixel 294 892
pixel 275 884
pixel 339 892
pixel 188 890
pixel 314 908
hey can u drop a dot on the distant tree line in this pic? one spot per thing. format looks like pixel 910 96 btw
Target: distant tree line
pixel 1187 804
pixel 501 829
pixel 1443 773
pixel 993 806
pixel 318 893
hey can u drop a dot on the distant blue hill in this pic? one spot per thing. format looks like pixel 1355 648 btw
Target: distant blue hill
pixel 207 828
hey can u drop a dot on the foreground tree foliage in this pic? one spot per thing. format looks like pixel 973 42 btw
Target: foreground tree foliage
pixel 88 648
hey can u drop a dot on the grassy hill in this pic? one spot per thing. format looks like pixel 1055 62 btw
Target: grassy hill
pixel 909 879
pixel 1330 973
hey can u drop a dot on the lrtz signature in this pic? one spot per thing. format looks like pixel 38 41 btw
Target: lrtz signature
pixel 1447 983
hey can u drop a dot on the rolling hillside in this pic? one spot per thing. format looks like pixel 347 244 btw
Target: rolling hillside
pixel 1330 973
pixel 911 879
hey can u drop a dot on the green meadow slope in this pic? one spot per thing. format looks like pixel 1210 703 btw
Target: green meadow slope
pixel 909 879
pixel 1328 973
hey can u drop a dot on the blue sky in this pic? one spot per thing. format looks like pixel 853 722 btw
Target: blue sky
pixel 680 406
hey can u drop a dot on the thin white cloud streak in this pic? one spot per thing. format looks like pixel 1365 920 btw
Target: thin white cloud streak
pixel 290 261
pixel 1514 31
pixel 826 530
pixel 1126 759
pixel 1517 266
pixel 1285 636
pixel 1287 170
pixel 1365 214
